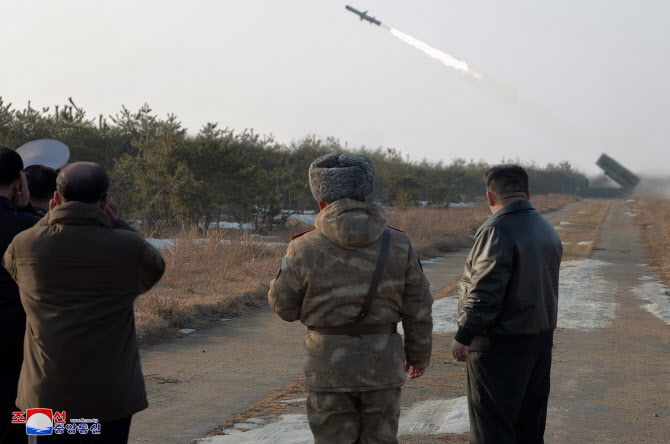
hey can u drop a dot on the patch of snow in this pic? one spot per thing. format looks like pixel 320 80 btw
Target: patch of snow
pixel 431 260
pixel 631 200
pixel 435 417
pixel 308 219
pixel 293 401
pixel 231 432
pixel 233 225
pixel 290 429
pixel 564 223
pixel 657 296
pixel 161 243
pixel 566 243
pixel 462 204
pixel 444 316
pixel 628 213
pixel 263 236
pixel 246 425
pixel 257 421
pixel 559 228
pixel 225 319
pixel 642 265
pixel 647 278
pixel 187 330
pixel 582 243
pixel 584 301
pixel 650 226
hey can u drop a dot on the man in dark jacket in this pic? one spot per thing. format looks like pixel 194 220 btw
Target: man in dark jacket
pixel 42 185
pixel 79 270
pixel 507 314
pixel 16 215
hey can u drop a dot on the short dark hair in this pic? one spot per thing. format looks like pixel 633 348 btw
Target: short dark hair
pixel 82 182
pixel 11 165
pixel 41 181
pixel 505 180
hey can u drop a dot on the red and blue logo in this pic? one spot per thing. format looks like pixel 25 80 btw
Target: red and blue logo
pixel 39 422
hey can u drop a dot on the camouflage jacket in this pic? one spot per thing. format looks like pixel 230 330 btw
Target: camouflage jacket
pixel 323 281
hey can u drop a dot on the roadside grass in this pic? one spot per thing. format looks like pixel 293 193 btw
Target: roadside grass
pixel 579 231
pixel 654 220
pixel 227 273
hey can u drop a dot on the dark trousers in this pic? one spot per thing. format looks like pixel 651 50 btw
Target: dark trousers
pixel 112 432
pixel 507 396
pixel 10 368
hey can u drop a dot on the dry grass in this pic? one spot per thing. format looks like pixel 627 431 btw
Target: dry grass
pixel 654 219
pixel 228 273
pixel 436 230
pixel 550 202
pixel 582 227
pixel 205 278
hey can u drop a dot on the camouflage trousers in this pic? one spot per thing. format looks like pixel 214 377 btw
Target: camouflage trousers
pixel 354 417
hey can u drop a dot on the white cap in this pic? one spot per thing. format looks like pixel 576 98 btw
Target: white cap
pixel 48 152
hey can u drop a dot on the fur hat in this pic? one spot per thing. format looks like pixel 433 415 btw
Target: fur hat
pixel 338 176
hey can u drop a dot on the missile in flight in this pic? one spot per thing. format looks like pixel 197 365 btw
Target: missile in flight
pixel 364 15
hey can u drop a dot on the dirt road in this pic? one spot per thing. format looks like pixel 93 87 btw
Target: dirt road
pixel 611 372
pixel 608 383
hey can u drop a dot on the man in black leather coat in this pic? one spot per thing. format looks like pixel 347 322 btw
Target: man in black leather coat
pixel 16 215
pixel 508 304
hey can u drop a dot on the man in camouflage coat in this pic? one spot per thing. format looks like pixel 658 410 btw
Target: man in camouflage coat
pixel 354 367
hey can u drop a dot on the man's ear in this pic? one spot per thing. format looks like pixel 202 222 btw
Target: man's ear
pixel 104 201
pixel 528 194
pixel 57 200
pixel 491 198
pixel 14 188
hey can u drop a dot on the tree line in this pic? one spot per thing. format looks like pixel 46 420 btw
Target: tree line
pixel 166 177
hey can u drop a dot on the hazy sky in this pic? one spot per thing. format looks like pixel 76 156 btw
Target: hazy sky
pixel 563 80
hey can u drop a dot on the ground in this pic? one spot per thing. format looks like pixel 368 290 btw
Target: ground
pixel 609 378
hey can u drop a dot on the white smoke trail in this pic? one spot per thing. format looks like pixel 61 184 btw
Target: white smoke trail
pixel 442 56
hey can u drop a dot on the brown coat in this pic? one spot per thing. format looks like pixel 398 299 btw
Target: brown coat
pixel 323 282
pixel 78 276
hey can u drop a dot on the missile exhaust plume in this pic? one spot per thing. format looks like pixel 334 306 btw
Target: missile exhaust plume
pixel 446 59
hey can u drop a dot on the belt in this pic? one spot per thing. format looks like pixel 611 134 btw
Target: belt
pixel 357 329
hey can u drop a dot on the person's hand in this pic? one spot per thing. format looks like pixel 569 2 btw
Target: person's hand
pixel 21 198
pixel 459 351
pixel 415 373
pixel 112 210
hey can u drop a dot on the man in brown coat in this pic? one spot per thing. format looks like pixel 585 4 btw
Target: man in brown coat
pixel 79 271
pixel 350 281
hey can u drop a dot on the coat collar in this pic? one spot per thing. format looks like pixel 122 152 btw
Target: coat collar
pixel 6 203
pixel 519 205
pixel 79 213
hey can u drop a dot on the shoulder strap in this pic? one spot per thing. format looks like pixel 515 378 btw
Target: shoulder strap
pixel 381 261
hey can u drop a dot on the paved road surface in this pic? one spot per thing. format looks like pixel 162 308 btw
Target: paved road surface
pixel 191 392
pixel 608 383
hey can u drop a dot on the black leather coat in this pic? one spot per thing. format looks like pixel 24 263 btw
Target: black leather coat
pixel 509 288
